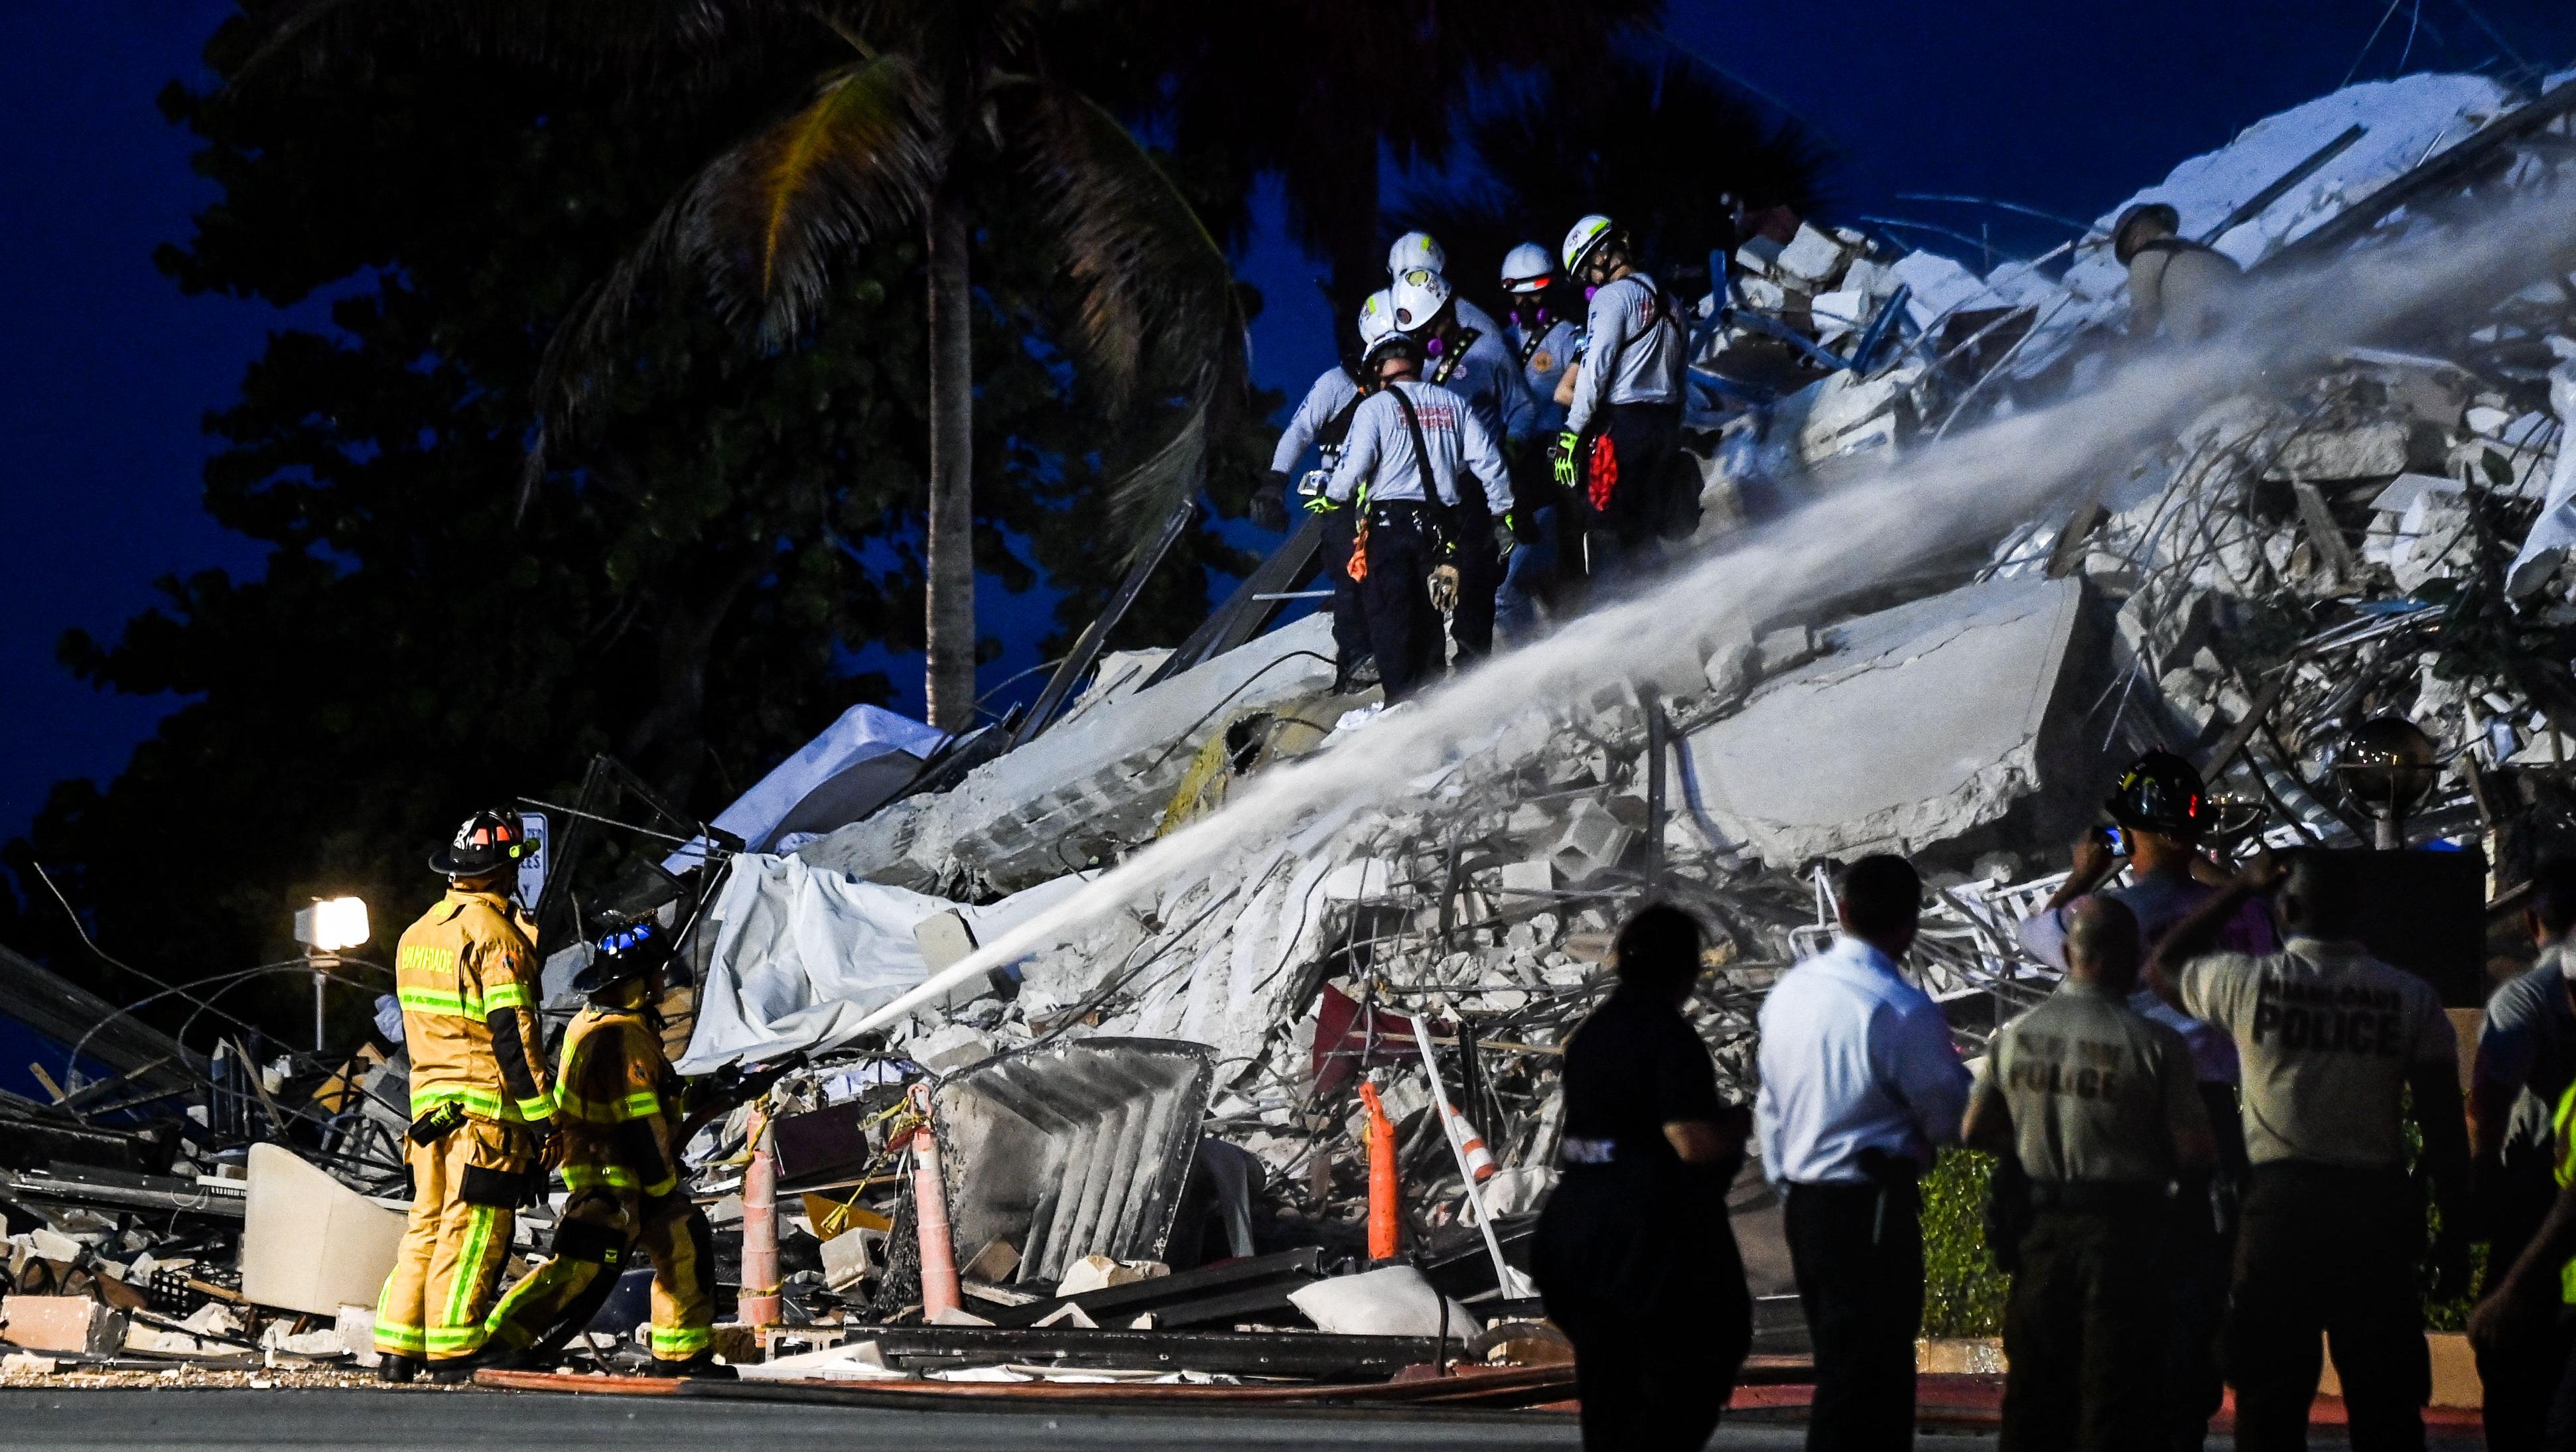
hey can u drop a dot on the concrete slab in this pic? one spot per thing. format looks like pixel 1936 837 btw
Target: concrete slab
pixel 1922 724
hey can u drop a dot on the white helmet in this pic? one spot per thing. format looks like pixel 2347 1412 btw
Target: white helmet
pixel 1412 250
pixel 1419 295
pixel 1526 268
pixel 1586 235
pixel 1377 318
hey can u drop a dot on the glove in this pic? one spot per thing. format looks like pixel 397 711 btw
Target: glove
pixel 550 1149
pixel 1444 589
pixel 1270 502
pixel 1562 456
pixel 1505 538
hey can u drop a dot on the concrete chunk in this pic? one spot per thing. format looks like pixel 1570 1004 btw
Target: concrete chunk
pixel 74 1324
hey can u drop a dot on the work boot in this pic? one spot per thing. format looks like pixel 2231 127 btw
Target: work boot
pixel 397 1370
pixel 453 1372
pixel 703 1364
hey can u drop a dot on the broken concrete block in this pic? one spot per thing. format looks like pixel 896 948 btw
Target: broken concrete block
pixel 1593 840
pixel 357 1328
pixel 950 1046
pixel 74 1324
pixel 310 1243
pixel 23 1363
pixel 1813 256
pixel 1951 692
pixel 1100 1272
pixel 848 1258
pixel 994 1262
pixel 1535 877
pixel 1759 256
pixel 2364 451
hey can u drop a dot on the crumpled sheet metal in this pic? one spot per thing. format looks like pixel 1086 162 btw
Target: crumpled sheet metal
pixel 1074 1148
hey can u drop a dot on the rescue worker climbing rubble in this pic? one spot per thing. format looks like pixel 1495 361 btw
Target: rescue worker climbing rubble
pixel 1539 324
pixel 482 1102
pixel 1622 431
pixel 1410 443
pixel 622 1137
pixel 1477 367
pixel 1323 422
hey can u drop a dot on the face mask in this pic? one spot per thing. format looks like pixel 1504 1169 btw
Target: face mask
pixel 1432 347
pixel 1589 289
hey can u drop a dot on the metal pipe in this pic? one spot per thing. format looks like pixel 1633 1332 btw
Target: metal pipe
pixel 1511 1281
pixel 759 1301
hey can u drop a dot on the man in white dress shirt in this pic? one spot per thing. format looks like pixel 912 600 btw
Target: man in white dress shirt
pixel 1860 1086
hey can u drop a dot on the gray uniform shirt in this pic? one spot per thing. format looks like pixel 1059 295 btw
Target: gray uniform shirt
pixel 1380 451
pixel 1632 352
pixel 2527 1051
pixel 2096 1091
pixel 1331 392
pixel 2327 1034
pixel 1543 361
pixel 1488 376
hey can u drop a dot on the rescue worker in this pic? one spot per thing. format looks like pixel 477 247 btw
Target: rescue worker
pixel 1860 1088
pixel 2332 1229
pixel 2161 806
pixel 482 1102
pixel 2525 1070
pixel 1633 1251
pixel 621 1130
pixel 1420 250
pixel 1479 368
pixel 2525 1313
pixel 1539 325
pixel 1413 448
pixel 2101 1108
pixel 1622 434
pixel 1323 422
pixel 2177 285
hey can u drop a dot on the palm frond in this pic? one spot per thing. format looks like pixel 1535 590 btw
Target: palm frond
pixel 1156 311
pixel 647 43
pixel 769 218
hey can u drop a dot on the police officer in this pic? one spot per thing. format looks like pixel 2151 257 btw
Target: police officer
pixel 1413 448
pixel 1860 1087
pixel 1323 421
pixel 2332 1230
pixel 2101 1109
pixel 1539 322
pixel 621 1107
pixel 1623 429
pixel 2162 807
pixel 482 1102
pixel 1479 368
pixel 1633 1251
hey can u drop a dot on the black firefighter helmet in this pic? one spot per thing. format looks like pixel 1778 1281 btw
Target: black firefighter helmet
pixel 2162 793
pixel 489 844
pixel 622 954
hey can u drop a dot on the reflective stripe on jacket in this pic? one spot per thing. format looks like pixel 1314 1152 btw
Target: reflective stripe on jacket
pixel 620 1106
pixel 463 971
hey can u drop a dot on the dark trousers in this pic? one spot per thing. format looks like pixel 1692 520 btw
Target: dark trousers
pixel 2089 1295
pixel 2519 1381
pixel 1480 577
pixel 1350 623
pixel 1403 629
pixel 1648 1383
pixel 1858 1255
pixel 1645 440
pixel 2336 1251
pixel 2199 1261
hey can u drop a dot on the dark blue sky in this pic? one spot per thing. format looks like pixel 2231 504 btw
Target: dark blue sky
pixel 105 370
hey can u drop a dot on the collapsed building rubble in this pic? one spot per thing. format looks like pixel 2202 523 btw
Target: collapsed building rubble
pixel 1141 1147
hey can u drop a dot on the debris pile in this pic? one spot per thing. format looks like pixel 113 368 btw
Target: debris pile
pixel 1158 1142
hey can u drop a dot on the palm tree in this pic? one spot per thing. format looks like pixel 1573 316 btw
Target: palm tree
pixel 901 109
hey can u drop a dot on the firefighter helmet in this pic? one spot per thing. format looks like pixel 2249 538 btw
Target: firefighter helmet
pixel 1415 249
pixel 1583 239
pixel 623 954
pixel 1527 269
pixel 1419 295
pixel 2161 793
pixel 488 844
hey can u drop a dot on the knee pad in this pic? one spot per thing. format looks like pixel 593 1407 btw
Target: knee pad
pixel 594 1244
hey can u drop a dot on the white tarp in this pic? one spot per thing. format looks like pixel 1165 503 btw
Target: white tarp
pixel 862 733
pixel 803 953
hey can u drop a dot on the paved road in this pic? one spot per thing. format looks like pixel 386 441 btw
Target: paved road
pixel 448 1422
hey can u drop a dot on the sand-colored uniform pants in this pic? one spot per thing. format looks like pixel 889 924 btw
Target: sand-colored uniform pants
pixel 602 1226
pixel 465 1189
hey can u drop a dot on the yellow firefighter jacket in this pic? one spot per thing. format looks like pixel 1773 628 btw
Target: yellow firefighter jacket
pixel 621 1104
pixel 467 977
